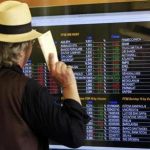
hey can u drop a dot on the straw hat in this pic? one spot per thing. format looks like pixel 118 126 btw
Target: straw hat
pixel 15 22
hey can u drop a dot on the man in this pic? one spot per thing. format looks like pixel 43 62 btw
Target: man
pixel 28 114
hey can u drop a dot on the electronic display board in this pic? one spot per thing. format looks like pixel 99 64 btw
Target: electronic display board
pixel 109 51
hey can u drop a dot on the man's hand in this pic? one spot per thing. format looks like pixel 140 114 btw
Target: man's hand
pixel 65 76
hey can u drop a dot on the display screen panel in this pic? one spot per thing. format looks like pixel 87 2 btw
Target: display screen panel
pixel 109 52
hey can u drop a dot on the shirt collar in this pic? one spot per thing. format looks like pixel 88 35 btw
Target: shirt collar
pixel 16 68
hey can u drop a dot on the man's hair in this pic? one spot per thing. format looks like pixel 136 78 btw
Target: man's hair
pixel 10 52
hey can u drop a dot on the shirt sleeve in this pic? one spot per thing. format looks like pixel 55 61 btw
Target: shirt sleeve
pixel 64 123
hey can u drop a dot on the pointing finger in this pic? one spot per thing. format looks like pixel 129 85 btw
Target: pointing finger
pixel 51 62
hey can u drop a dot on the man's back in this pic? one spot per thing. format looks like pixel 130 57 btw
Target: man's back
pixel 14 132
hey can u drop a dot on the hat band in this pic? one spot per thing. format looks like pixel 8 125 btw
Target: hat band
pixel 19 29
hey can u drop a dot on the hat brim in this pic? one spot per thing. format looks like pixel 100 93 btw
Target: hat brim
pixel 16 38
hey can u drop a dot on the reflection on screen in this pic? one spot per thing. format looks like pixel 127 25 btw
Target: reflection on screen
pixel 111 62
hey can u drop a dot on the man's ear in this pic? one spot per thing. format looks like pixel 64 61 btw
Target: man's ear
pixel 21 54
pixel 28 47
